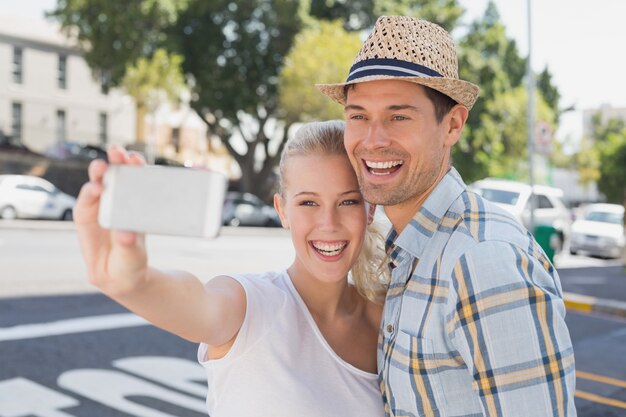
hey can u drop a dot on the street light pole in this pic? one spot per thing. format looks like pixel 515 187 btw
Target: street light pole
pixel 531 122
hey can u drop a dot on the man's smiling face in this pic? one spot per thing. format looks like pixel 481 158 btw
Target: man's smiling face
pixel 395 144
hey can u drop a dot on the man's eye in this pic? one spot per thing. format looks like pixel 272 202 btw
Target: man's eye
pixel 400 117
pixel 356 117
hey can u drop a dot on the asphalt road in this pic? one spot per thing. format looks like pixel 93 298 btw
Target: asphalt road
pixel 84 355
pixel 66 351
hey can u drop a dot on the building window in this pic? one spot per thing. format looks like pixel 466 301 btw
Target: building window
pixel 176 138
pixel 61 130
pixel 16 122
pixel 104 82
pixel 103 129
pixel 18 68
pixel 62 77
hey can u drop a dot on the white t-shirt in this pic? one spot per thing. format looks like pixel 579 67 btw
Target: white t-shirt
pixel 281 365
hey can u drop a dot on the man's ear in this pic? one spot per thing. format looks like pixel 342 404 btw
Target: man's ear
pixel 278 205
pixel 371 210
pixel 456 119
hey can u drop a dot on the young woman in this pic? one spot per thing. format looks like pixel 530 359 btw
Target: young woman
pixel 296 342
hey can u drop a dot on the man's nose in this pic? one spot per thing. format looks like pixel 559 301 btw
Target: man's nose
pixel 376 136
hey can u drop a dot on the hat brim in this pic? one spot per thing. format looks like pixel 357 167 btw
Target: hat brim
pixel 463 92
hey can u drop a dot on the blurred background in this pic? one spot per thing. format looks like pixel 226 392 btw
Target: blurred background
pixel 220 85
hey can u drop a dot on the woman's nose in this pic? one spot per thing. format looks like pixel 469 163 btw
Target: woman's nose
pixel 329 219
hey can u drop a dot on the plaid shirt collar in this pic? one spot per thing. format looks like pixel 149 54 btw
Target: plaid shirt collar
pixel 415 236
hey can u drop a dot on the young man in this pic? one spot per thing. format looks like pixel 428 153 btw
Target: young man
pixel 474 318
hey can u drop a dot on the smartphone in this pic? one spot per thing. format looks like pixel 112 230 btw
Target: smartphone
pixel 162 200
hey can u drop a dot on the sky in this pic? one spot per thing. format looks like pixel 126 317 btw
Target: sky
pixel 580 41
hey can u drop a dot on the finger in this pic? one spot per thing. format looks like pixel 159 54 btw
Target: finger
pixel 87 203
pixel 135 158
pixel 128 247
pixel 124 238
pixel 96 170
pixel 117 155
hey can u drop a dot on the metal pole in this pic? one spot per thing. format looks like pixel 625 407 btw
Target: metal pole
pixel 531 122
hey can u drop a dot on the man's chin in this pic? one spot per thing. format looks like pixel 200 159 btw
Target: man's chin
pixel 381 196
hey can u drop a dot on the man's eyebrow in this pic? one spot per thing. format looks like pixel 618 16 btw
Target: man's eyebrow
pixel 353 107
pixel 393 107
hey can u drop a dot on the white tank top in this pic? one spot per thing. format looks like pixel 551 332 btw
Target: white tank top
pixel 280 365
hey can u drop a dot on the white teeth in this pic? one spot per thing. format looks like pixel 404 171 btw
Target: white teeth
pixel 382 165
pixel 328 248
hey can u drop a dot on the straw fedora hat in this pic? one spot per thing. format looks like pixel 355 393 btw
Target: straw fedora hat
pixel 408 49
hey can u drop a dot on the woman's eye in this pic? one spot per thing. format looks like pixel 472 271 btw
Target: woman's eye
pixel 307 203
pixel 351 202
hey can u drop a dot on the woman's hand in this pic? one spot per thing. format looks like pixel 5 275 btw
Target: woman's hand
pixel 116 260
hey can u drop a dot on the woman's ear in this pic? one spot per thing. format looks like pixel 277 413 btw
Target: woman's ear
pixel 278 205
pixel 371 210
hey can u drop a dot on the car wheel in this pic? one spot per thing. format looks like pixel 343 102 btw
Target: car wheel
pixel 8 213
pixel 234 222
pixel 67 215
pixel 573 252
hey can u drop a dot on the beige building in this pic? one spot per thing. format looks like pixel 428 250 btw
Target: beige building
pixel 606 111
pixel 48 94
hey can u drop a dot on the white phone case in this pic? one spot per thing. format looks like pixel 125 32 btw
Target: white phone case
pixel 162 200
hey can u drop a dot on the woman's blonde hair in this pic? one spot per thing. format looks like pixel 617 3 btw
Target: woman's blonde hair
pixel 369 273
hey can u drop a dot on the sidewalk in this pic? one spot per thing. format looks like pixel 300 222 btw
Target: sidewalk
pixel 588 285
pixel 586 303
pixel 604 288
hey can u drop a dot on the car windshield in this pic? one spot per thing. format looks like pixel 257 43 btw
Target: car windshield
pixel 499 196
pixel 604 217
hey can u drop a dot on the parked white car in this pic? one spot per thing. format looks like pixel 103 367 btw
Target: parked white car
pixel 600 231
pixel 514 197
pixel 29 197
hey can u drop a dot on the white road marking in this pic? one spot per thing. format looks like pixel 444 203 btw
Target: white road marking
pixel 118 391
pixel 23 397
pixel 70 326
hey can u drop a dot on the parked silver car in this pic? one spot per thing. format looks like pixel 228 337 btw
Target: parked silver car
pixel 29 197
pixel 515 197
pixel 245 209
pixel 600 231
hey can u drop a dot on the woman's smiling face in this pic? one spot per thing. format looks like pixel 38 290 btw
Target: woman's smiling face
pixel 323 208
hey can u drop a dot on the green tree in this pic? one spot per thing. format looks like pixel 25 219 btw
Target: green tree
pixel 359 15
pixel 587 163
pixel 445 13
pixel 495 137
pixel 307 64
pixel 113 34
pixel 549 92
pixel 502 134
pixel 152 81
pixel 610 144
pixel 232 52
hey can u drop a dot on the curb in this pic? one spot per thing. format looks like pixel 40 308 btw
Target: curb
pixel 57 225
pixel 589 304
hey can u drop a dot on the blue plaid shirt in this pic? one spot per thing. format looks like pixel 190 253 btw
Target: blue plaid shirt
pixel 473 323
